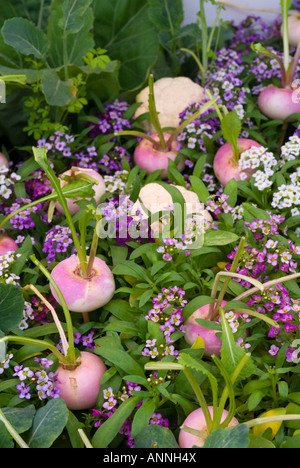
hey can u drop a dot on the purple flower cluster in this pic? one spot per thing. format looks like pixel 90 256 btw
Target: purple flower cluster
pixel 172 247
pixel 111 120
pixel 57 145
pixel 111 404
pixel 37 185
pixel 284 310
pixel 23 220
pixel 112 161
pixel 167 312
pixel 40 381
pixel 251 29
pixel 57 240
pixel 86 341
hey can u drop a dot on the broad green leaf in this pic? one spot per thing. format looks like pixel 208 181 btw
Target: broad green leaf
pixel 231 354
pixel 199 188
pixel 232 437
pixel 25 37
pixel 57 92
pixel 154 436
pixel 142 417
pixel 20 418
pixel 11 307
pixel 121 360
pixel 218 237
pixel 231 126
pixel 73 15
pixel 48 424
pixel 110 429
pixel 231 190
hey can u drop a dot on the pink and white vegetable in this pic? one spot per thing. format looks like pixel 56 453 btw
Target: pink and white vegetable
pixel 293 28
pixel 7 244
pixel 75 174
pixel 79 388
pixel 226 163
pixel 83 294
pixel 196 420
pixel 3 161
pixel 278 103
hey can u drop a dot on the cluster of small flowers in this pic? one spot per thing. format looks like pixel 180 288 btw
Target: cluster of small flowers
pixel 5 363
pixel 58 144
pixel 259 162
pixel 6 262
pixel 217 205
pixel 7 181
pixel 167 311
pixel 251 29
pixel 22 220
pixel 110 405
pixel 116 182
pixel 87 341
pixel 111 120
pixel 202 127
pixel 86 158
pixel 285 311
pixel 113 160
pixel 121 224
pixel 234 322
pixel 40 381
pixel 27 316
pixel 288 195
pixel 173 246
pixel 272 256
pixel 290 150
pixel 37 185
pixel 57 240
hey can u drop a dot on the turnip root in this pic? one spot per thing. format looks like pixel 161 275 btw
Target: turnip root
pixel 80 387
pixel 196 420
pixel 194 330
pixel 3 161
pixel 172 96
pixel 226 165
pixel 278 103
pixel 74 173
pixel 151 158
pixel 154 197
pixel 83 294
pixel 7 244
pixel 293 28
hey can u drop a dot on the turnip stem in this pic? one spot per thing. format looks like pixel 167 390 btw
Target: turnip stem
pixel 200 397
pixel 65 344
pixel 34 341
pixel 61 299
pixel 285 4
pixel 12 431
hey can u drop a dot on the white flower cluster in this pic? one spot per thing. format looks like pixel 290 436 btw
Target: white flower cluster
pixel 117 182
pixel 5 263
pixel 5 364
pixel 27 315
pixel 259 162
pixel 6 182
pixel 291 150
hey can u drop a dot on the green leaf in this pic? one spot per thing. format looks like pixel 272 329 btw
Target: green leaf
pixel 109 430
pixel 232 437
pixel 11 307
pixel 57 93
pixel 121 360
pixel 142 417
pixel 231 126
pixel 231 190
pixel 48 424
pixel 154 436
pixel 20 418
pixel 25 37
pixel 218 237
pixel 73 15
pixel 199 188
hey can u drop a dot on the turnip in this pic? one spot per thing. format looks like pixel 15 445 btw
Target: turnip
pixel 86 281
pixel 226 161
pixel 7 244
pixel 281 102
pixel 80 387
pixel 153 151
pixel 78 173
pixel 293 28
pixel 3 161
pixel 84 294
pixel 193 330
pixel 196 420
pixel 79 374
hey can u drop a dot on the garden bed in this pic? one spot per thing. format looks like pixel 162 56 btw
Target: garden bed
pixel 150 227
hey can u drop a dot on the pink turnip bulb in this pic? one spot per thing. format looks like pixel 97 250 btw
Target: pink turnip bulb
pixel 226 165
pixel 7 245
pixel 79 388
pixel 3 161
pixel 148 156
pixel 196 420
pixel 293 28
pixel 279 103
pixel 99 188
pixel 82 294
pixel 194 330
